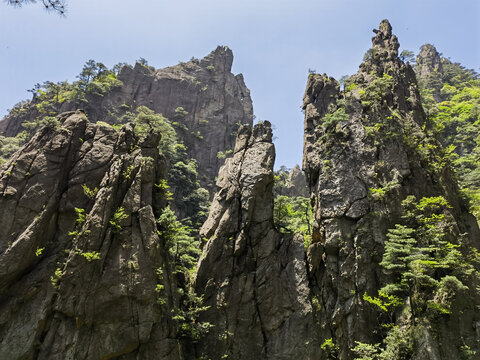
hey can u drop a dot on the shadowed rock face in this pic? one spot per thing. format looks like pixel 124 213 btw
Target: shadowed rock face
pixel 345 155
pixel 253 278
pixel 214 104
pixel 77 281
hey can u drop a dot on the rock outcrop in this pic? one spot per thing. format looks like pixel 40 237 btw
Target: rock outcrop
pixel 79 251
pixel 203 97
pixel 365 151
pixel 429 70
pixel 428 61
pixel 295 184
pixel 253 278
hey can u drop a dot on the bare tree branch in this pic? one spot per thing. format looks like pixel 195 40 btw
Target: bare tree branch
pixel 57 6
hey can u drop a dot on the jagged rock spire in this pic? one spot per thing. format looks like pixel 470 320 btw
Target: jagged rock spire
pixel 366 139
pixel 385 44
pixel 428 61
pixel 252 278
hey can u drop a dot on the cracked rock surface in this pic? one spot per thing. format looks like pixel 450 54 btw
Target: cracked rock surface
pixel 203 98
pixel 367 146
pixel 253 278
pixel 75 281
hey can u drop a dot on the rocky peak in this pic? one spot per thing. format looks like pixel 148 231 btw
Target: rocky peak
pixel 221 58
pixel 361 142
pixel 296 184
pixel 246 264
pixel 203 99
pixel 385 44
pixel 428 61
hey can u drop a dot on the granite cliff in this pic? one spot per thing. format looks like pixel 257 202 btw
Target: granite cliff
pixel 367 153
pixel 79 251
pixel 95 265
pixel 202 98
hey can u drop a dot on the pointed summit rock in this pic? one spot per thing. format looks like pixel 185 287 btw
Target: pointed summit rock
pixel 204 101
pixel 253 279
pixel 428 61
pixel 368 154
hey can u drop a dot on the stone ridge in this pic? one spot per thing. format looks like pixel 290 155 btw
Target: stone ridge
pixel 203 97
pixel 78 269
pixel 253 278
pixel 367 137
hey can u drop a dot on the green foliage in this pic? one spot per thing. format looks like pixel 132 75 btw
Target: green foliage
pixel 79 221
pixel 89 255
pixel 384 301
pixel 81 216
pixel 127 173
pixel 147 121
pixel 9 145
pixel 223 155
pixel 293 214
pixel 366 351
pixel 190 198
pixel 423 263
pixel 427 265
pixel 164 189
pixel 184 251
pixel 55 278
pixel 452 102
pixel 183 247
pixel 377 193
pixel 96 79
pixel 407 56
pixel 180 112
pixel 330 348
pixel 90 193
pixel 398 345
pixel 374 93
pixel 187 317
pixel 47 121
pixel 331 120
pixel 39 252
pixel 210 68
pixel 118 216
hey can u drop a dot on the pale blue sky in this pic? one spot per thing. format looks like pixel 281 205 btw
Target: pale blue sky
pixel 274 43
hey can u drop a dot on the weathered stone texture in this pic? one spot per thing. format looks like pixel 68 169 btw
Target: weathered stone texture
pixel 55 301
pixel 215 103
pixel 253 278
pixel 343 162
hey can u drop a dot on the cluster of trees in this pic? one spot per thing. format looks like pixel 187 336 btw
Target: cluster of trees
pixel 426 261
pixel 48 98
pixel 451 99
pixel 428 266
pixel 179 222
pixel 291 213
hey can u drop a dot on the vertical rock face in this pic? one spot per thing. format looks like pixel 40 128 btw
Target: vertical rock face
pixel 360 143
pixel 203 97
pixel 429 69
pixel 295 184
pixel 253 278
pixel 79 252
pixel 428 61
